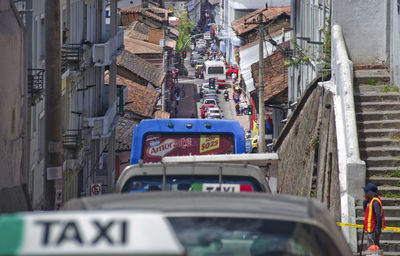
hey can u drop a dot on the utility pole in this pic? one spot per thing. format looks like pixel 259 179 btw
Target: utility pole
pixel 53 134
pixel 164 63
pixel 111 99
pixel 261 111
pixel 261 115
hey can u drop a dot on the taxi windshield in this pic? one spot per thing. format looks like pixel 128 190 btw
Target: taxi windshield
pixel 205 183
pixel 250 237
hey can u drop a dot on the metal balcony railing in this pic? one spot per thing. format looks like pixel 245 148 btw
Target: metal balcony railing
pixel 72 138
pixel 71 56
pixel 35 84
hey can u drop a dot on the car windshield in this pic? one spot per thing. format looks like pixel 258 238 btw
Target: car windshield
pixel 221 236
pixel 207 183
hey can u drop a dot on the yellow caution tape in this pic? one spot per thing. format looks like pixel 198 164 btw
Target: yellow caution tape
pixel 362 226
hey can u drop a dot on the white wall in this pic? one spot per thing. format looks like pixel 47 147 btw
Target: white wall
pixel 364 25
pixel 394 44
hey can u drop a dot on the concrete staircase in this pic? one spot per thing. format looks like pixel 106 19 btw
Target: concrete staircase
pixel 378 124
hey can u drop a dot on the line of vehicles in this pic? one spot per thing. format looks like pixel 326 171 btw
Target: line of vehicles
pixel 189 190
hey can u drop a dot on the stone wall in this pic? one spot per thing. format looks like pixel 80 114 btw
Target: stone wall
pixel 308 152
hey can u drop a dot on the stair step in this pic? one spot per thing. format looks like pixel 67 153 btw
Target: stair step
pixel 366 152
pixel 385 245
pixel 383 124
pixel 378 115
pixel 379 181
pixel 390 211
pixel 376 106
pixel 381 133
pixel 378 75
pixel 378 142
pixel 385 235
pixel 377 97
pixel 382 161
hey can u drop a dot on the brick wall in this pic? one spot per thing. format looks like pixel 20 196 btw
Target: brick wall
pixel 308 152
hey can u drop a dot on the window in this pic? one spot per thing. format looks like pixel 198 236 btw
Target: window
pixel 42 39
pixel 206 183
pixel 215 70
pixel 250 237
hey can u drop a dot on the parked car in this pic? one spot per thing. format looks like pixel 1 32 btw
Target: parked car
pixel 204 109
pixel 231 69
pixel 235 224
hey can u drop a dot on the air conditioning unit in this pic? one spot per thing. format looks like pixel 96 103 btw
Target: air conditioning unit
pixel 102 54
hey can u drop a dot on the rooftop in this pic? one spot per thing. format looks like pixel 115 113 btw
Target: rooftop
pixel 141 99
pixel 141 68
pixel 275 78
pixel 271 13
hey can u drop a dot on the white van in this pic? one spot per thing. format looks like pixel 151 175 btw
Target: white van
pixel 215 69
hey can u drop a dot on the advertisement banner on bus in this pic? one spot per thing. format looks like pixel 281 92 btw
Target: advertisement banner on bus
pixel 157 146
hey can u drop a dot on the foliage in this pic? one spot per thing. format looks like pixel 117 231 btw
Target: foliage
pixel 302 56
pixel 390 88
pixel 184 28
pixel 371 82
pixel 392 195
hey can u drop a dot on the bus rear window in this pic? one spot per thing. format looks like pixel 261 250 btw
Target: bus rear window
pixel 209 183
pixel 156 146
pixel 215 70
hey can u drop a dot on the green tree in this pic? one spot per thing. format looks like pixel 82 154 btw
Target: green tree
pixel 185 26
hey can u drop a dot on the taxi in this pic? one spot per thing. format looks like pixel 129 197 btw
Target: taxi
pixel 88 233
pixel 236 224
pixel 206 177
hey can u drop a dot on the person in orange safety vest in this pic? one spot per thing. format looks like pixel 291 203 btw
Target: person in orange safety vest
pixel 374 219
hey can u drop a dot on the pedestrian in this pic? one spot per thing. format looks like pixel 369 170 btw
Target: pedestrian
pixel 237 108
pixel 177 91
pixel 192 116
pixel 183 91
pixel 374 219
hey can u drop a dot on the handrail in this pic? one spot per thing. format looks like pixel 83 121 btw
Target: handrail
pixel 351 168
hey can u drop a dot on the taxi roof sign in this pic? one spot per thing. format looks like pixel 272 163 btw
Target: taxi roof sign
pixel 88 233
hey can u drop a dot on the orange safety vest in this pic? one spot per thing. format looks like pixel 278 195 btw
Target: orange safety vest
pixel 369 220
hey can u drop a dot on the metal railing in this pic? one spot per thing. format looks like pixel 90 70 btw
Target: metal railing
pixel 71 56
pixel 35 84
pixel 72 138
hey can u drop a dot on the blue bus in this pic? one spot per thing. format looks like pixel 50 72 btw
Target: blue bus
pixel 155 138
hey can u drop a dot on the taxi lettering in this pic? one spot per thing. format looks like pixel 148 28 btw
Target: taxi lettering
pixel 56 233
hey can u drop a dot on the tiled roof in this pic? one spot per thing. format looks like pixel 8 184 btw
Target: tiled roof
pixel 140 27
pixel 271 13
pixel 139 47
pixel 267 37
pixel 142 100
pixel 174 31
pixel 275 77
pixel 140 67
pixel 124 132
pixel 212 2
pixel 159 114
pixel 135 34
pixel 151 12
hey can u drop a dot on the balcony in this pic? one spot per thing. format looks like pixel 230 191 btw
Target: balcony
pixel 72 138
pixel 71 57
pixel 102 126
pixel 104 53
pixel 35 85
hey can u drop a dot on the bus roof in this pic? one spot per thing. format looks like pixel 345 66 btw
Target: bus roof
pixel 88 233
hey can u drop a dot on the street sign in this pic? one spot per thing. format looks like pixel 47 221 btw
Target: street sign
pixel 247 146
pixel 95 189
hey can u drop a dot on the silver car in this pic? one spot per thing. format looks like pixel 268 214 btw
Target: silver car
pixel 237 224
